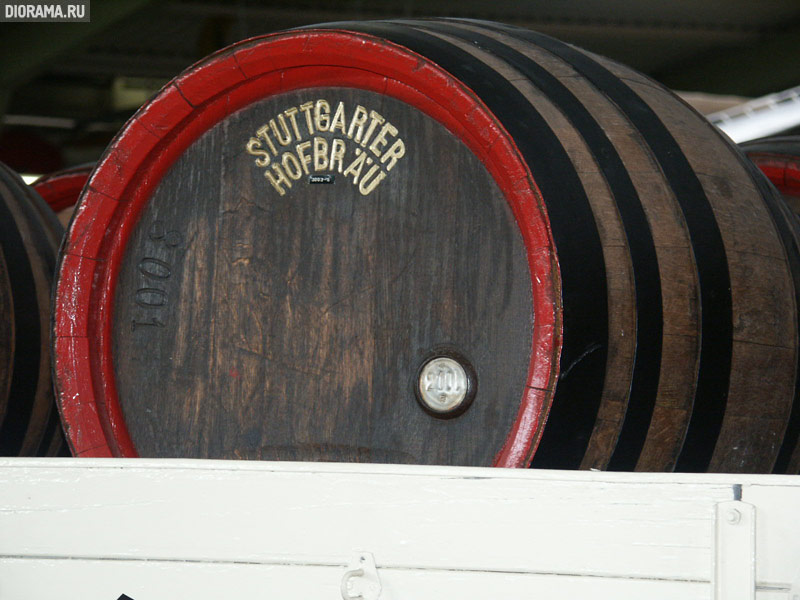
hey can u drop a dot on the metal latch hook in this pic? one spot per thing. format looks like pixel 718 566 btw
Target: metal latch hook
pixel 361 581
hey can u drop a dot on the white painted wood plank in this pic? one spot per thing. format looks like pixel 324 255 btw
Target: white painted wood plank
pixel 31 579
pixel 734 558
pixel 770 593
pixel 777 502
pixel 526 522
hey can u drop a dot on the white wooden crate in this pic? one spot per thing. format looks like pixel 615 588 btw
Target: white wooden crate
pixel 172 529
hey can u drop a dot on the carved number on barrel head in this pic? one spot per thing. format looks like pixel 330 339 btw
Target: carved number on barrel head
pixel 155 272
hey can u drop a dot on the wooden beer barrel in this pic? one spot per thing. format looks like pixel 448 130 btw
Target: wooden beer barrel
pixel 434 241
pixel 779 159
pixel 29 239
pixel 62 189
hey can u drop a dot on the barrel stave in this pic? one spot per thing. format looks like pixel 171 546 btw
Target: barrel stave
pixel 31 235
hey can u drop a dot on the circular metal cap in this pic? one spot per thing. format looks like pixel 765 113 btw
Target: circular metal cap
pixel 445 386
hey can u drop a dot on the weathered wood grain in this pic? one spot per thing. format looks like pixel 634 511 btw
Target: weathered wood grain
pixel 294 325
pixel 763 313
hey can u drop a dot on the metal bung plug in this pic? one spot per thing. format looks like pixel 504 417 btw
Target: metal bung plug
pixel 446 384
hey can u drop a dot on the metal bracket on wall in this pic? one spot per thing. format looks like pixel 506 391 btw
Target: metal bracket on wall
pixel 735 552
pixel 361 581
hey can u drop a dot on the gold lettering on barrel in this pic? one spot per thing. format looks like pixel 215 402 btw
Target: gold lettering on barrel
pixel 365 147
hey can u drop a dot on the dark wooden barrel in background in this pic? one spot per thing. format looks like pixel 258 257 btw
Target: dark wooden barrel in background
pixel 275 250
pixel 29 239
pixel 779 159
pixel 62 189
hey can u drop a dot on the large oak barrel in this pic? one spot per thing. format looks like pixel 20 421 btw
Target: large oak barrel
pixel 435 241
pixel 29 239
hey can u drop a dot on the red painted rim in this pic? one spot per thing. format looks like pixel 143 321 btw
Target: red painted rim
pixel 63 188
pixel 782 170
pixel 195 101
